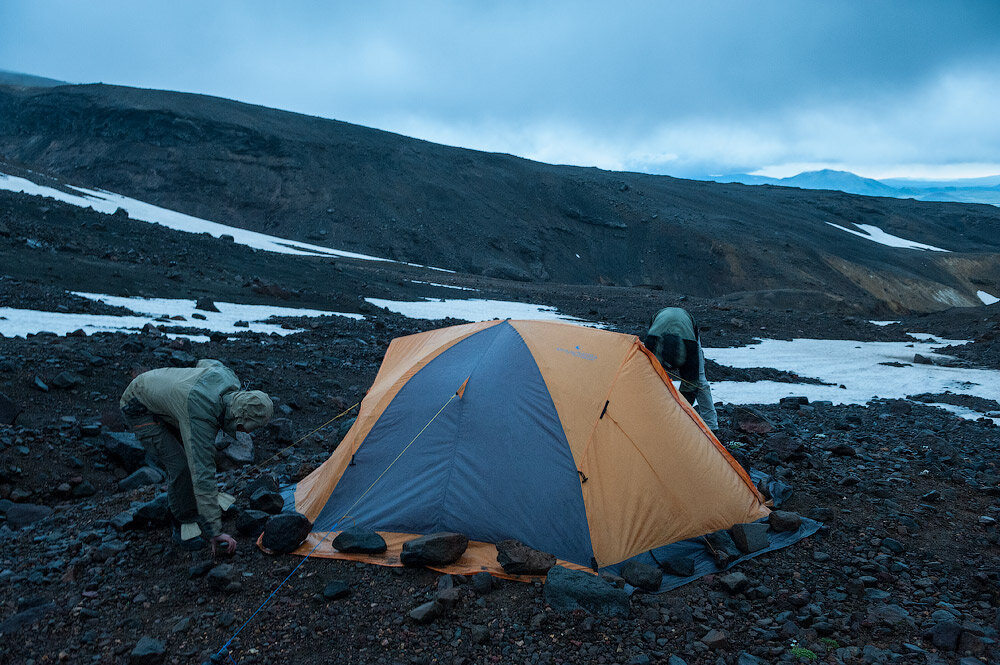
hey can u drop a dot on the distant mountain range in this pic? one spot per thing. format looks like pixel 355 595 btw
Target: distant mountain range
pixel 966 190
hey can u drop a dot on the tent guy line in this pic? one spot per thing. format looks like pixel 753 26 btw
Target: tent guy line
pixel 224 650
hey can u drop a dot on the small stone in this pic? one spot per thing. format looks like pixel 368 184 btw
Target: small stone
pixel 427 612
pixel 716 639
pixel 336 589
pixel 22 514
pixel 734 582
pixel 945 635
pixel 482 583
pixel 893 545
pixel 221 576
pixel 66 380
pixel 9 410
pixel 148 651
pixel 40 385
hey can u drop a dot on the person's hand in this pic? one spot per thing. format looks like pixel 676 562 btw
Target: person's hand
pixel 223 542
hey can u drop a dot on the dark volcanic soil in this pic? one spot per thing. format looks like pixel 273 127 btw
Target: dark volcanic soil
pixel 905 570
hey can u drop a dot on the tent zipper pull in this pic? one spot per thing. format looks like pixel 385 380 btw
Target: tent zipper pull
pixel 604 410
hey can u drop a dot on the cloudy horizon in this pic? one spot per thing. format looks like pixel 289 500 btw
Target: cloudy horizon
pixel 895 89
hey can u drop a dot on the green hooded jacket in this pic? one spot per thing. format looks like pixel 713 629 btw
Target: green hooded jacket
pixel 196 401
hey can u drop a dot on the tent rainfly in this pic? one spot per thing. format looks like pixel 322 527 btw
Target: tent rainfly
pixel 569 439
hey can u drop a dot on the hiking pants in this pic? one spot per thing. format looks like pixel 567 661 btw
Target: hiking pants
pixel 701 396
pixel 164 442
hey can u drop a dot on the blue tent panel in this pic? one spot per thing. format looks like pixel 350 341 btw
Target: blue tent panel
pixel 463 473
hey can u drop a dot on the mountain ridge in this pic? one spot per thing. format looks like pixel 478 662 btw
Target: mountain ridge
pixel 375 192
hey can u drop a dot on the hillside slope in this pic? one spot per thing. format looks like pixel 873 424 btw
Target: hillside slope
pixel 371 191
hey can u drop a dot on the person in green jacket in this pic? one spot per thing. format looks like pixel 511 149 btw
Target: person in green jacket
pixel 674 339
pixel 177 413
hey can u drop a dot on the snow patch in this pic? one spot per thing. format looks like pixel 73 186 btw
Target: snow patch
pixel 987 298
pixel 882 323
pixel 443 286
pixel 22 322
pixel 475 310
pixel 856 366
pixel 876 234
pixel 109 202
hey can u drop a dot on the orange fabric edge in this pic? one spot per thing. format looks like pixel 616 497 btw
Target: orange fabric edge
pixel 479 557
pixel 697 419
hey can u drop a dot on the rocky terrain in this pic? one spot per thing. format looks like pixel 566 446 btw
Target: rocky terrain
pixel 905 569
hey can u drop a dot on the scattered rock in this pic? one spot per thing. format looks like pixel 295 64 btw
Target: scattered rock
pixel 567 590
pixel 516 558
pixel 284 532
pixel 148 651
pixel 20 515
pixel 251 522
pixel 716 639
pixel 124 449
pixel 359 540
pixel 642 576
pixel 205 304
pixel 336 589
pixel 436 549
pixel 144 475
pixel 267 501
pixel 734 582
pixel 782 520
pixel 681 566
pixel 427 612
pixel 750 537
pixel 66 380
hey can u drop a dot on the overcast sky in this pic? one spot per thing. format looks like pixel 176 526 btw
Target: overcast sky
pixel 903 88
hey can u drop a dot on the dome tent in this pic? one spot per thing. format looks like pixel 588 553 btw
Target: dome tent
pixel 569 439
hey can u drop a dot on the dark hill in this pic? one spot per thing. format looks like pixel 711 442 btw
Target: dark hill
pixel 376 192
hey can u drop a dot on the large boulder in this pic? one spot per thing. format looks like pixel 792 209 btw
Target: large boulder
pixel 359 540
pixel 516 558
pixel 567 590
pixel 436 549
pixel 284 532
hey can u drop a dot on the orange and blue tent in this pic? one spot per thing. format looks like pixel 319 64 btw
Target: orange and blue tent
pixel 570 439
